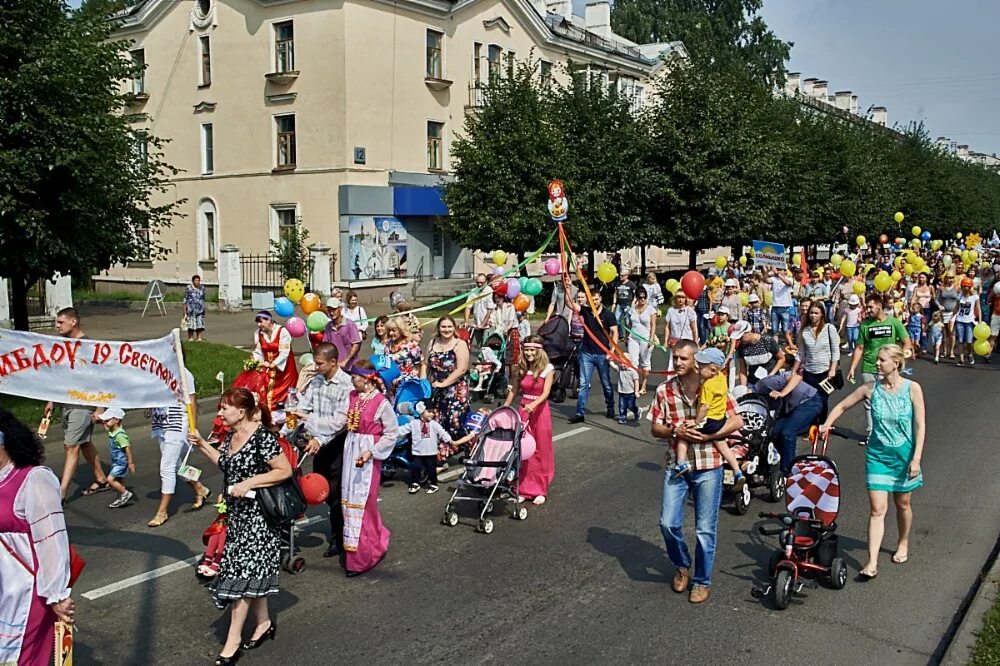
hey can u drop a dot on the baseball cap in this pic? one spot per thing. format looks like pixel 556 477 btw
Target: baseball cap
pixel 731 282
pixel 753 298
pixel 739 329
pixel 713 271
pixel 710 355
pixel 967 283
pixel 333 302
pixel 722 310
pixel 112 413
pixel 854 300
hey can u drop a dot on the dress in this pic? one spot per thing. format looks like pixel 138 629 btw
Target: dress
pixel 372 426
pixel 453 401
pixel 32 526
pixel 278 348
pixel 891 445
pixel 194 302
pixel 537 471
pixel 407 356
pixel 249 566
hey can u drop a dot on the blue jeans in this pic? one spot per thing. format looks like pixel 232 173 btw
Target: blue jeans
pixel 626 404
pixel 852 337
pixel 704 326
pixel 789 427
pixel 780 320
pixel 707 488
pixel 588 361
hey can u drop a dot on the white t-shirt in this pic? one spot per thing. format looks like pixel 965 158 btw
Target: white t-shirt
pixel 641 322
pixel 781 292
pixel 482 307
pixel 967 309
pixel 680 322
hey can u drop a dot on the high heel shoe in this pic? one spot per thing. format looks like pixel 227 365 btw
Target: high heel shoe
pixel 232 659
pixel 255 643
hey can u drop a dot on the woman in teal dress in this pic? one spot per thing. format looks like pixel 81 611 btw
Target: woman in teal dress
pixel 895 447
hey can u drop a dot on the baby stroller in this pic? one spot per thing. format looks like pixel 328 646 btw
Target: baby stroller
pixel 808 534
pixel 408 394
pixel 561 350
pixel 491 470
pixel 485 385
pixel 757 454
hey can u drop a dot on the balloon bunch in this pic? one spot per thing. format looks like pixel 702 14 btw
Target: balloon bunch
pixel 295 294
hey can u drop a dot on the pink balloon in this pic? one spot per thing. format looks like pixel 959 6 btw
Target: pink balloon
pixel 527 445
pixel 552 266
pixel 497 270
pixel 513 288
pixel 296 327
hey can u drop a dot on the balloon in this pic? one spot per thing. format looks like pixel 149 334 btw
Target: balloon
pixel 315 338
pixel 551 266
pixel 315 488
pixel 720 262
pixel 848 268
pixel 499 258
pixel 283 307
pixel 925 235
pixel 946 260
pixel 386 367
pixel 896 276
pixel 898 217
pixel 883 239
pixel 317 321
pixel 973 255
pixel 900 241
pixel 306 359
pixel 521 303
pixel 835 260
pixel 936 244
pixel 528 445
pixel 915 231
pixel 744 299
pixel 768 298
pixel 844 230
pixel 532 287
pixel 883 282
pixel 898 262
pixel 294 289
pixel 915 243
pixel 309 303
pixel 693 283
pixel 858 288
pixel 908 269
pixel 497 271
pixel 521 281
pixel 743 260
pixel 996 288
pixel 513 288
pixel 981 332
pixel 860 240
pixel 606 272
pixel 500 287
pixel 673 285
pixel 959 235
pixel 982 347
pixel 295 327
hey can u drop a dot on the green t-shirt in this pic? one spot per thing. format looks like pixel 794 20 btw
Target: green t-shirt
pixel 876 334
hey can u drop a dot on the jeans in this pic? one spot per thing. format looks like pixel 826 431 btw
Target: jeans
pixel 707 488
pixel 780 319
pixel 172 449
pixel 329 463
pixel 587 363
pixel 852 337
pixel 927 323
pixel 787 429
pixel 626 404
pixel 704 327
pixel 424 467
pixel 963 332
pixel 868 378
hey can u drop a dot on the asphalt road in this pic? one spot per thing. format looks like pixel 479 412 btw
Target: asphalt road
pixel 584 580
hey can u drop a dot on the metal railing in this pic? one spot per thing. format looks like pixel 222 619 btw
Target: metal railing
pixel 418 276
pixel 263 272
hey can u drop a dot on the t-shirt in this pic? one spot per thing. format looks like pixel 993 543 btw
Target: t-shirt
pixel 482 306
pixel 625 292
pixel 679 320
pixel 778 382
pixel 559 301
pixel 598 328
pixel 763 353
pixel 714 393
pixel 343 337
pixel 780 292
pixel 173 418
pixel 628 379
pixel 967 309
pixel 876 334
pixel 641 322
pixel 654 293
pixel 852 317
pixel 425 436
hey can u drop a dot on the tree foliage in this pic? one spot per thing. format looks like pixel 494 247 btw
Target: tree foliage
pixel 77 177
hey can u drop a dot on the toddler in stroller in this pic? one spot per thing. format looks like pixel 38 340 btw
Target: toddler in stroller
pixel 487 373
pixel 757 455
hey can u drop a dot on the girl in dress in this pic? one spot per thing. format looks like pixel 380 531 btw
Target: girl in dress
pixel 533 381
pixel 372 431
pixel 273 348
pixel 381 338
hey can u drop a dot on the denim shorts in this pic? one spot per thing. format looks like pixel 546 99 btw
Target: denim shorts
pixel 118 471
pixel 963 332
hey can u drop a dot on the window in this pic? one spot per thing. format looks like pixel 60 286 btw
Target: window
pixel 545 72
pixel 139 76
pixel 205 49
pixel 140 151
pixel 203 7
pixel 435 40
pixel 493 61
pixel 510 64
pixel 435 145
pixel 143 242
pixel 284 47
pixel 477 57
pixel 284 222
pixel 285 126
pixel 207 148
pixel 208 231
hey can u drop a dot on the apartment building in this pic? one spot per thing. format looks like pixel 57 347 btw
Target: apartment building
pixel 337 116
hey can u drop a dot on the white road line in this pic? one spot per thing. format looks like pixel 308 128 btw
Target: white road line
pixel 162 571
pixel 570 433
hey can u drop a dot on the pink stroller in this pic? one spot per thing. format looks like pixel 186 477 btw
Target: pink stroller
pixel 491 469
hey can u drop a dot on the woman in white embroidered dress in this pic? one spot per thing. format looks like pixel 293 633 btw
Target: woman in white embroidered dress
pixel 34 550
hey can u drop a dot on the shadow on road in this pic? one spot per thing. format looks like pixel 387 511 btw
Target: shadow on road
pixel 641 560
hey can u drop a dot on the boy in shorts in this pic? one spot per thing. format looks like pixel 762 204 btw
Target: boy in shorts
pixel 121 455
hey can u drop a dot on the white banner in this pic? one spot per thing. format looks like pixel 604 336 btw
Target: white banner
pixel 82 371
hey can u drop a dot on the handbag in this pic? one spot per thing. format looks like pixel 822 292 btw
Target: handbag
pixel 282 503
pixel 837 381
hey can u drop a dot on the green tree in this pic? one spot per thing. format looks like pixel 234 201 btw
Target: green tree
pixel 292 253
pixel 77 178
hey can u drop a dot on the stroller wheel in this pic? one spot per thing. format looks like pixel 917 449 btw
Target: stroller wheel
pixel 742 504
pixel 520 513
pixel 450 519
pixel 783 589
pixel 293 565
pixel 838 573
pixel 775 484
pixel 486 526
pixel 489 507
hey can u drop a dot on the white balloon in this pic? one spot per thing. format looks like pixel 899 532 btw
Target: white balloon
pixel 996 288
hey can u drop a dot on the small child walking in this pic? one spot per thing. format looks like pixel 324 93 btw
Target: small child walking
pixel 425 434
pixel 915 327
pixel 851 320
pixel 936 332
pixel 628 387
pixel 121 455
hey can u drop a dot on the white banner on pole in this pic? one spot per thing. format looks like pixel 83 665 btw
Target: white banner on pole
pixel 82 371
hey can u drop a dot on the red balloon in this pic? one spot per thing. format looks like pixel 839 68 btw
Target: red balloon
pixel 883 239
pixel 315 338
pixel 835 275
pixel 692 284
pixel 315 488
pixel 500 287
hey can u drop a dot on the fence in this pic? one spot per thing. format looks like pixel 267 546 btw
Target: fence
pixel 262 272
pixel 38 315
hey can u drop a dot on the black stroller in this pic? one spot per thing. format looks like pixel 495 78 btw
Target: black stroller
pixel 562 351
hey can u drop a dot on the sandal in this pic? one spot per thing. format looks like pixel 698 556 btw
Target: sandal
pixel 95 488
pixel 199 500
pixel 158 520
pixel 868 575
pixel 900 559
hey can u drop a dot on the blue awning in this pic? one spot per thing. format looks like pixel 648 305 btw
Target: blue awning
pixel 418 202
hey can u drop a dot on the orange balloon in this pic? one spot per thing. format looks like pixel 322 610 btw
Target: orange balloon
pixel 521 303
pixel 309 303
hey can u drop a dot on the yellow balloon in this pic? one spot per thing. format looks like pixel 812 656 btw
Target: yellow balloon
pixel 744 299
pixel 981 347
pixel 848 268
pixel 743 260
pixel 896 276
pixel 915 243
pixel 499 258
pixel 768 298
pixel 973 255
pixel 897 262
pixel 720 262
pixel 915 231
pixel 908 269
pixel 982 332
pixel 869 268
pixel 672 285
pixel 959 235
pixel 294 290
pixel 835 260
pixel 606 272
pixel 883 282
pixel 946 260
pixel 860 240
pixel 859 288
pixel 898 217
pixel 965 256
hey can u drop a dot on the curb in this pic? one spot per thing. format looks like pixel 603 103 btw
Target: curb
pixel 959 650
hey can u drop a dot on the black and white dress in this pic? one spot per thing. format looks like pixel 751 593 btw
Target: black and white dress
pixel 249 567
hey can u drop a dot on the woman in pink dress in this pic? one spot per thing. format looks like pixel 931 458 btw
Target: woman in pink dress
pixel 533 380
pixel 274 350
pixel 372 430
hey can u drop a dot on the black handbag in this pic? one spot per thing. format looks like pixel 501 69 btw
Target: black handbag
pixel 837 381
pixel 283 503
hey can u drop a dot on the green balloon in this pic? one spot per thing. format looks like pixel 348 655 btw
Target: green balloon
pixel 306 359
pixel 532 287
pixel 521 281
pixel 317 322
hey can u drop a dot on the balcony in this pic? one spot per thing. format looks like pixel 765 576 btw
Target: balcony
pixel 477 96
pixel 437 84
pixel 282 78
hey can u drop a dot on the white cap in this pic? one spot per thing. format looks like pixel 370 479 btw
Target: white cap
pixel 112 413
pixel 739 329
pixel 333 302
pixel 753 298
pixel 722 310
pixel 731 282
pixel 853 300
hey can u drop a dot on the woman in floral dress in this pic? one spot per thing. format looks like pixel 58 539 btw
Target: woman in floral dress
pixel 404 349
pixel 194 309
pixel 446 366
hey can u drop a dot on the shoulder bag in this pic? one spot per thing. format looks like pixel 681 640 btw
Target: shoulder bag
pixel 282 503
pixel 837 381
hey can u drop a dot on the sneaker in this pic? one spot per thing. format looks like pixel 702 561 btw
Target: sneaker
pixel 972 361
pixel 680 469
pixel 960 364
pixel 739 484
pixel 611 415
pixel 863 442
pixel 937 360
pixel 576 418
pixel 621 420
pixel 431 489
pixel 414 488
pixel 638 414
pixel 122 500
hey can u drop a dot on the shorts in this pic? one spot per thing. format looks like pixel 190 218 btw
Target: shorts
pixel 936 336
pixel 963 332
pixel 78 428
pixel 712 426
pixel 995 325
pixel 118 471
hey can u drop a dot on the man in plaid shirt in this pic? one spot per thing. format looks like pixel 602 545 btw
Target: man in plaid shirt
pixel 323 409
pixel 675 404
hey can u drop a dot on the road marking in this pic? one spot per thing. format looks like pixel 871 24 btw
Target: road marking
pixel 570 433
pixel 162 571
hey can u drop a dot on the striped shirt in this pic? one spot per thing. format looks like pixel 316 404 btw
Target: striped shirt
pixel 819 353
pixel 325 403
pixel 173 419
pixel 670 407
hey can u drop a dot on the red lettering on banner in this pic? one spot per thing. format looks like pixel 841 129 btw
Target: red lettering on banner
pixel 6 366
pixel 22 361
pixel 57 354
pixel 124 352
pixel 40 358
pixel 71 349
pixel 144 361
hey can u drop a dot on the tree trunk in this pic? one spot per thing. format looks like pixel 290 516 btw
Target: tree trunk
pixel 19 303
pixel 692 260
pixel 642 261
pixel 591 268
pixel 519 257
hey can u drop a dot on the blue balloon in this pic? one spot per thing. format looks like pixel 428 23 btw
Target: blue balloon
pixel 925 236
pixel 283 307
